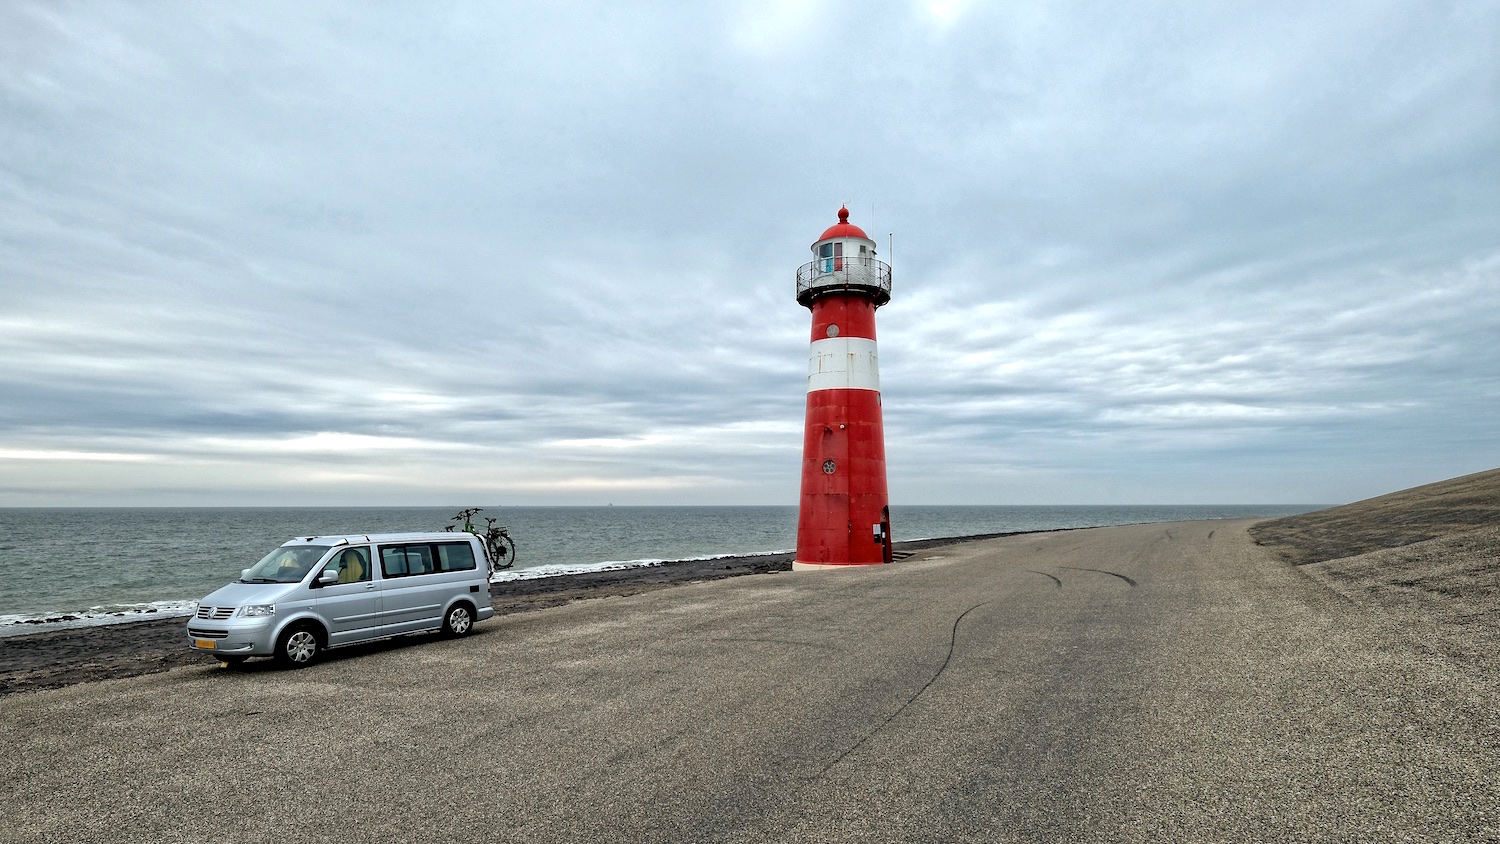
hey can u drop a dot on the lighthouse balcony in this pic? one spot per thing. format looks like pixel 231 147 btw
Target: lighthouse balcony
pixel 860 274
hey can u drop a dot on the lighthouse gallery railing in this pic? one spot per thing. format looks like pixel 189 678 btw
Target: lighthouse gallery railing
pixel 859 274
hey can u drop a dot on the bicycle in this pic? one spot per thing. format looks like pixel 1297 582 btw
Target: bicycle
pixel 499 548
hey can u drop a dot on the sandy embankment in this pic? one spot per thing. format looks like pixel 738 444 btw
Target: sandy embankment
pixel 61 658
pixel 1429 554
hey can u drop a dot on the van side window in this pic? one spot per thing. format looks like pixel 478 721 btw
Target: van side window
pixel 393 561
pixel 455 556
pixel 418 559
pixel 352 564
pixel 403 560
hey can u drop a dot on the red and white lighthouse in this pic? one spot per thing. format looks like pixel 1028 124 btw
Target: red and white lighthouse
pixel 845 517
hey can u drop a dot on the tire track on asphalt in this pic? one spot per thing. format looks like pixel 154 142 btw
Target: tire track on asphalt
pixel 1054 578
pixel 952 642
pixel 1102 571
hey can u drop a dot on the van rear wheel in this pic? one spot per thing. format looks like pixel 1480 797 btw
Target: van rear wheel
pixel 298 646
pixel 459 621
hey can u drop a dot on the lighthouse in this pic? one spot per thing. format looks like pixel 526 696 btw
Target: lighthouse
pixel 844 518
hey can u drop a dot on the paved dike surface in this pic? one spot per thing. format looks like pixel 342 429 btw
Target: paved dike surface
pixel 1146 683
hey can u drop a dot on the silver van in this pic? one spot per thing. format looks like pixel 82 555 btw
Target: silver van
pixel 327 591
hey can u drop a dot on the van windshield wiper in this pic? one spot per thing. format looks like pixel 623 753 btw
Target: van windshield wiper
pixel 259 580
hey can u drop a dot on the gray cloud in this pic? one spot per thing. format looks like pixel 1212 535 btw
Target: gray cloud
pixel 273 254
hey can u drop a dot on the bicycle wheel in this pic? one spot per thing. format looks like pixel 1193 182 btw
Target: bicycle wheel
pixel 501 550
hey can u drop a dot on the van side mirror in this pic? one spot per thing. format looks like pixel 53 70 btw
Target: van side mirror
pixel 244 574
pixel 327 577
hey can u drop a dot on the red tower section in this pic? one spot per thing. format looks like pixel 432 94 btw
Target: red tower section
pixel 844 518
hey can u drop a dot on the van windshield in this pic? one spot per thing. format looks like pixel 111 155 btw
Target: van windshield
pixel 285 565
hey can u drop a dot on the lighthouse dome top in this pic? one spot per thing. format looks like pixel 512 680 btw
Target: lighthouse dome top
pixel 843 228
pixel 844 262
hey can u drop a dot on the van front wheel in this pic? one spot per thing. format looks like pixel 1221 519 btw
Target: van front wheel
pixel 297 647
pixel 459 621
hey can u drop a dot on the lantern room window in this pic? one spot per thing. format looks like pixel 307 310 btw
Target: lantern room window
pixel 832 255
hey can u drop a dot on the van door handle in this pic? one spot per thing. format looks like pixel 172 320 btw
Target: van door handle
pixel 369 586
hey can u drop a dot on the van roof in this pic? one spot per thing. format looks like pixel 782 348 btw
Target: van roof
pixel 348 538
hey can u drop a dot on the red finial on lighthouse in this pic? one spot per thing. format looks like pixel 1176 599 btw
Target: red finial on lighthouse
pixel 844 228
pixel 844 518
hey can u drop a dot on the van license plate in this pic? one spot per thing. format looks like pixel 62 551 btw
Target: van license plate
pixel 204 643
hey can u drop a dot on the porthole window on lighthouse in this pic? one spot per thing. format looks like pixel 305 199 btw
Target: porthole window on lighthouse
pixel 833 331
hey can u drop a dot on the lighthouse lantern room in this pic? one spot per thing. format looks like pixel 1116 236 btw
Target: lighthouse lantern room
pixel 844 516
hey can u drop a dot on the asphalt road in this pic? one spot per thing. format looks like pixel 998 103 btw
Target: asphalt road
pixel 1149 683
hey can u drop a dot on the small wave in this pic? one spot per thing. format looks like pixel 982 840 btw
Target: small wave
pixel 16 624
pixel 561 569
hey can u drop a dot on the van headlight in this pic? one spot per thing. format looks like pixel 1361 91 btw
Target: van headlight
pixel 257 610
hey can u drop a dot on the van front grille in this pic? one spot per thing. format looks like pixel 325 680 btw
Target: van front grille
pixel 206 634
pixel 215 613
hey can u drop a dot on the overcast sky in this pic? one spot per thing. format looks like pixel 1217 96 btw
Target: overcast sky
pixel 451 253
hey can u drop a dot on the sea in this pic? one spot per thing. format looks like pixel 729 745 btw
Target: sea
pixel 73 567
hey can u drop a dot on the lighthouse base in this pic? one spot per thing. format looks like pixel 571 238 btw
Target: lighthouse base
pixel 796 566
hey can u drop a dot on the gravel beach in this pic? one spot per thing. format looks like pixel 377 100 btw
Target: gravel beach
pixel 53 659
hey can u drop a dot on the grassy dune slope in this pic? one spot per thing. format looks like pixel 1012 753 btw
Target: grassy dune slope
pixel 1444 509
pixel 1427 558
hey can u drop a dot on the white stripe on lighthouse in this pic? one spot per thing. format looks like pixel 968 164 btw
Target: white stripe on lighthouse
pixel 843 363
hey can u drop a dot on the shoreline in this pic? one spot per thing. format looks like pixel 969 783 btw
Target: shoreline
pixel 64 621
pixel 50 659
pixel 115 583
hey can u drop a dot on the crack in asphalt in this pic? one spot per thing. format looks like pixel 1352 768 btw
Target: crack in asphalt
pixel 952 641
